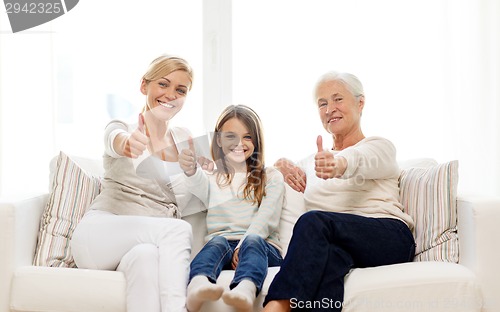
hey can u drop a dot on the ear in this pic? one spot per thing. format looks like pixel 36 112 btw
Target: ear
pixel 144 87
pixel 218 140
pixel 361 103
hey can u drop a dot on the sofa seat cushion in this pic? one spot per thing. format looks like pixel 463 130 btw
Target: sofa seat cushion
pixel 36 288
pixel 415 286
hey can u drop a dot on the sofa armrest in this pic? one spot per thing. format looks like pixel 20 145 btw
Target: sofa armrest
pixel 19 224
pixel 478 221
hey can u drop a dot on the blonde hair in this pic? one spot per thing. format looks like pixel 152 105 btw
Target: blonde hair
pixel 255 189
pixel 166 64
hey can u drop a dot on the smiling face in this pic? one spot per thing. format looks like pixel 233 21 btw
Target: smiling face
pixel 236 143
pixel 165 96
pixel 339 110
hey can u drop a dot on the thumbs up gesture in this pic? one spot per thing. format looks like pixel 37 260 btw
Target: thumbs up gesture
pixel 326 165
pixel 137 142
pixel 187 159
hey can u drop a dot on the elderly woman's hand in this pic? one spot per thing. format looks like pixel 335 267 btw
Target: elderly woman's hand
pixel 326 165
pixel 293 175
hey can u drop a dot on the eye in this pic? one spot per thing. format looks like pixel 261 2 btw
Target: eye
pixel 322 104
pixel 247 137
pixel 181 91
pixel 163 84
pixel 338 99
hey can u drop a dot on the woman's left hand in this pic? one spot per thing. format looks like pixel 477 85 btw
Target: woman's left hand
pixel 328 166
pixel 206 164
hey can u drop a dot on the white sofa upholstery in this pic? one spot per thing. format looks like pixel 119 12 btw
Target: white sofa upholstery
pixel 471 285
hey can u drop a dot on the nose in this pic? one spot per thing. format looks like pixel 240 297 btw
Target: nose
pixel 170 95
pixel 330 107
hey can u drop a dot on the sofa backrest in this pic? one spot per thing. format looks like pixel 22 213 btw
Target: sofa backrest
pixel 293 205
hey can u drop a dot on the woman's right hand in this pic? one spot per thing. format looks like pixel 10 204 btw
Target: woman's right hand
pixel 293 175
pixel 135 143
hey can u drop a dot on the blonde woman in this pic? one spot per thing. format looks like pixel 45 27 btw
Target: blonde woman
pixel 133 225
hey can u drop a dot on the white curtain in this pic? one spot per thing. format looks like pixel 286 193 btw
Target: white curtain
pixel 430 71
pixel 61 82
pixel 472 89
pixel 430 68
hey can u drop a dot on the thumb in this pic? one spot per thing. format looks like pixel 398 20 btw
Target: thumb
pixel 191 145
pixel 319 143
pixel 140 123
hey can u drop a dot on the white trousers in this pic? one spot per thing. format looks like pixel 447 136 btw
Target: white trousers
pixel 153 253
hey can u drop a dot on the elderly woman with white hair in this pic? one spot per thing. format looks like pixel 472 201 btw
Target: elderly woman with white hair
pixel 351 192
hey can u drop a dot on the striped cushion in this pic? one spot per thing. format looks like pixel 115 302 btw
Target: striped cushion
pixel 72 192
pixel 429 196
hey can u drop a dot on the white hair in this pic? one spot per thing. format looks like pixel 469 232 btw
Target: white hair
pixel 350 81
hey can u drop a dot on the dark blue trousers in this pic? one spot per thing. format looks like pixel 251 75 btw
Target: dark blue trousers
pixel 325 246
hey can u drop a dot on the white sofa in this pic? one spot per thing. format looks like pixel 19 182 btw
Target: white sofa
pixel 471 285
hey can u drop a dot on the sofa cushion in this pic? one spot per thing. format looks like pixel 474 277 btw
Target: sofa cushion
pixel 414 286
pixel 73 189
pixel 429 196
pixel 67 289
pixel 293 208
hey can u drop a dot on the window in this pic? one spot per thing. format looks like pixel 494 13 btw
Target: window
pixel 278 60
pixel 430 71
pixel 62 81
pixel 101 53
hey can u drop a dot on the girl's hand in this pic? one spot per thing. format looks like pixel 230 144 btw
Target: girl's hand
pixel 136 142
pixel 187 159
pixel 206 164
pixel 326 165
pixel 235 260
pixel 293 175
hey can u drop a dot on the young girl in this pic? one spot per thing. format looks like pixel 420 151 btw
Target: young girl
pixel 244 201
pixel 133 225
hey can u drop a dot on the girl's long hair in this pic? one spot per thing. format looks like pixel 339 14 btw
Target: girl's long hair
pixel 255 189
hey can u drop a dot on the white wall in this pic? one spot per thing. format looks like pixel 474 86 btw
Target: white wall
pixel 431 72
pixel 26 120
pixel 55 80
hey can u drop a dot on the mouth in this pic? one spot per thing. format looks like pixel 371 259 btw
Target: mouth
pixel 238 151
pixel 334 119
pixel 165 104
